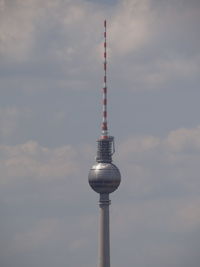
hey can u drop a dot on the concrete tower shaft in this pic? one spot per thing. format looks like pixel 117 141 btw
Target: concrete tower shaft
pixel 104 231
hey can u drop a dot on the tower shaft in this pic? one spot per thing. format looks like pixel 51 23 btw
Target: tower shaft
pixel 104 231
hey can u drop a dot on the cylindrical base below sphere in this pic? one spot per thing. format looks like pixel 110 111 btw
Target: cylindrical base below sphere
pixel 104 233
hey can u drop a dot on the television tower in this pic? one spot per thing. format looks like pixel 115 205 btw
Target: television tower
pixel 104 177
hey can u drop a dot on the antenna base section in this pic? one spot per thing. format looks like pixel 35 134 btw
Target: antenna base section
pixel 105 149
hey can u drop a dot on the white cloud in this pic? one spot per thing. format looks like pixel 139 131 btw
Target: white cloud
pixel 155 45
pixel 180 140
pixel 162 166
pixel 148 43
pixel 166 70
pixel 138 144
pixel 17 19
pixel 183 139
pixel 130 26
pixel 32 160
pixel 22 22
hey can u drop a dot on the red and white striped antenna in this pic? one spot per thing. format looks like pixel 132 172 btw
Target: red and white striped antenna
pixel 104 126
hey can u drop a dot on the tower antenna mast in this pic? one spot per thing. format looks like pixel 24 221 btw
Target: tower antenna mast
pixel 104 127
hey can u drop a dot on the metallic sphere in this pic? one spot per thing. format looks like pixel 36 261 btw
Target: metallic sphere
pixel 104 177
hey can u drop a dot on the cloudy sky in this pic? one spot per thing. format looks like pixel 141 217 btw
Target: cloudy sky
pixel 50 115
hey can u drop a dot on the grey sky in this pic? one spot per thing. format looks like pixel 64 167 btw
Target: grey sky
pixel 50 115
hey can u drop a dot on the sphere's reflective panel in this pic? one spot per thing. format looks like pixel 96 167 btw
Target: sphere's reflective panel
pixel 104 177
